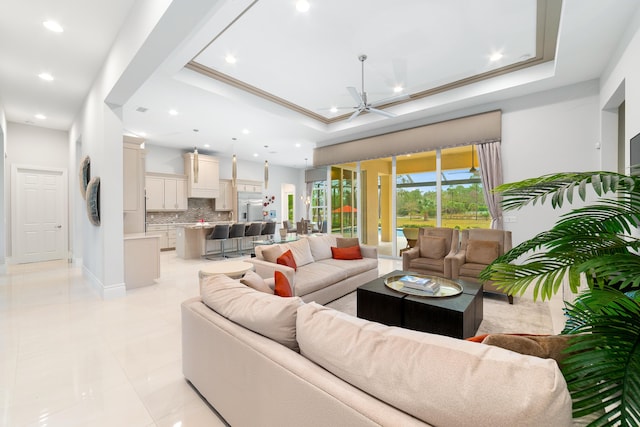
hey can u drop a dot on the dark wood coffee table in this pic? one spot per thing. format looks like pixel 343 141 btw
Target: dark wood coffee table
pixel 457 316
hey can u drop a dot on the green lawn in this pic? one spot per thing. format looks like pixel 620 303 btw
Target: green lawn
pixel 460 223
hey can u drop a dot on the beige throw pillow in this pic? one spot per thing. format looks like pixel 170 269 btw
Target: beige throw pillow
pixel 321 246
pixel 347 242
pixel 272 253
pixel 482 251
pixel 432 247
pixel 440 380
pixel 253 280
pixel 268 315
pixel 301 252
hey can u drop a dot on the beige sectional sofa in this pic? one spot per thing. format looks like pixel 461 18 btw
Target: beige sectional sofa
pixel 260 359
pixel 319 277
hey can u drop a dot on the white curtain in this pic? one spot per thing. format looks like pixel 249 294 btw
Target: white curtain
pixel 491 175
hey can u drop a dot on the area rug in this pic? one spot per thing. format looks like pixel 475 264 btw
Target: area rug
pixel 523 316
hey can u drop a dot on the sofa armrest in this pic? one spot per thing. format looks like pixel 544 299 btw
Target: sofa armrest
pixel 369 251
pixel 408 255
pixel 456 261
pixel 266 270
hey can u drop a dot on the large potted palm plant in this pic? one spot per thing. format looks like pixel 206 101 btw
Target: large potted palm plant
pixel 596 245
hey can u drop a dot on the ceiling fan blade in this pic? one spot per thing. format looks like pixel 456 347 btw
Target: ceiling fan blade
pixel 390 100
pixel 355 114
pixel 381 112
pixel 355 95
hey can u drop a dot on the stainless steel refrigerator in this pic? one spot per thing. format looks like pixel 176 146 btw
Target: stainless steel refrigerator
pixel 250 207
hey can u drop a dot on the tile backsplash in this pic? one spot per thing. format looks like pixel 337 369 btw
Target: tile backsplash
pixel 197 209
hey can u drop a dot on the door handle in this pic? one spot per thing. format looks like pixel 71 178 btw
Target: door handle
pixel 58 226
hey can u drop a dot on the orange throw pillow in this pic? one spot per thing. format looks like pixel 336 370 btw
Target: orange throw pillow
pixel 287 259
pixel 352 252
pixel 282 287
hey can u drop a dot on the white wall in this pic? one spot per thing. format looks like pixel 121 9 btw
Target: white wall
pixel 548 132
pixel 32 146
pixel 4 209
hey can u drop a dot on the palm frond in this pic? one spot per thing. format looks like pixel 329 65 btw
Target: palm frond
pixel 603 368
pixel 562 186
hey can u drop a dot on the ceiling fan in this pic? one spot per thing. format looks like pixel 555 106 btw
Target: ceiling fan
pixel 364 105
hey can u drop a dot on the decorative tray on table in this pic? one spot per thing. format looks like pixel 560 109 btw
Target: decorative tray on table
pixel 423 286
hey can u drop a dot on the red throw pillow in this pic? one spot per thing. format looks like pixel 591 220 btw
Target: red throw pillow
pixel 352 252
pixel 287 259
pixel 282 287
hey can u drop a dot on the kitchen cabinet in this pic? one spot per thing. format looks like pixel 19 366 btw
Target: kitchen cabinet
pixel 206 183
pixel 250 186
pixel 225 201
pixel 165 232
pixel 133 160
pixel 166 192
pixel 141 260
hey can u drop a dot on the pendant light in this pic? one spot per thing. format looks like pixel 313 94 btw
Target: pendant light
pixel 234 168
pixel 266 174
pixel 196 166
pixel 473 168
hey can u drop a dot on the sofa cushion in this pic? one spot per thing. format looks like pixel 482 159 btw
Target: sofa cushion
pixel 436 265
pixel 253 280
pixel 482 251
pixel 320 246
pixel 269 253
pixel 471 270
pixel 318 275
pixel 349 253
pixel 282 287
pixel 267 315
pixel 414 372
pixel 432 247
pixel 287 259
pixel 352 267
pixel 346 242
pixel 301 252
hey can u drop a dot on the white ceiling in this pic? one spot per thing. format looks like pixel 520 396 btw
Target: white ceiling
pixel 306 60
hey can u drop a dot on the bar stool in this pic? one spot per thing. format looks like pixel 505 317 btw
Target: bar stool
pixel 252 230
pixel 220 232
pixel 237 233
pixel 269 229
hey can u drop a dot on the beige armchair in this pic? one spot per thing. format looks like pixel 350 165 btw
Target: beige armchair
pixel 479 248
pixel 432 252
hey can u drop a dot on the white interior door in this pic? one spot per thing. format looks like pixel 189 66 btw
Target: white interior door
pixel 39 214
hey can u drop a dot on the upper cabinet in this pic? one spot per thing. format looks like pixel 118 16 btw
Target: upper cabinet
pixel 204 180
pixel 249 186
pixel 166 192
pixel 225 201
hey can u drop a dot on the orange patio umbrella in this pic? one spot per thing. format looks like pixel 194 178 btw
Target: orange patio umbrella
pixel 345 209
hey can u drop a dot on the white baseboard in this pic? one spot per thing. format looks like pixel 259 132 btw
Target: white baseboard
pixel 114 291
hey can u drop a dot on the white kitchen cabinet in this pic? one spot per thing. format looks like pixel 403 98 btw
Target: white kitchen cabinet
pixel 250 186
pixel 225 201
pixel 206 182
pixel 133 165
pixel 166 192
pixel 165 232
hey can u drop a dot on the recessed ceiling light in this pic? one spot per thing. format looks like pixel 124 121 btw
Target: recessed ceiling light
pixel 246 131
pixel 173 112
pixel 334 109
pixel 40 116
pixel 142 133
pixel 302 5
pixel 255 154
pixel 496 56
pixel 53 26
pixel 207 145
pixel 230 59
pixel 46 76
pixel 297 145
pixel 398 89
